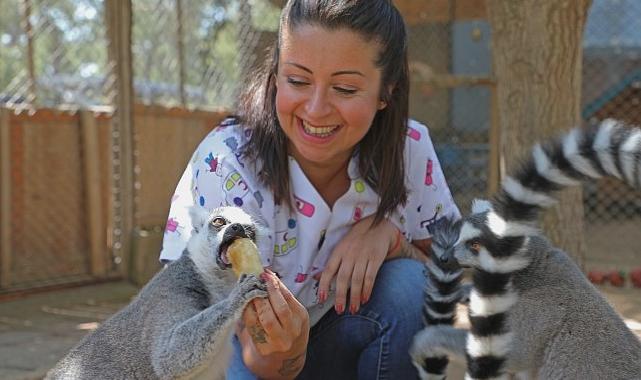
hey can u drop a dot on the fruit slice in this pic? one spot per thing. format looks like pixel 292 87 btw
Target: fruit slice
pixel 244 258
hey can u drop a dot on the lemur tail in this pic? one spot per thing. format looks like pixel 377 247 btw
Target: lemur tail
pixel 607 149
pixel 442 293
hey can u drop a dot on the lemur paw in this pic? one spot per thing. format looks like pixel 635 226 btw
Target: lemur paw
pixel 249 287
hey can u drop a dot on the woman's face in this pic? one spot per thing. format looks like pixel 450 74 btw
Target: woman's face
pixel 328 91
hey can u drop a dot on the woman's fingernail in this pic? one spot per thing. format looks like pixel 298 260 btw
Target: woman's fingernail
pixel 364 299
pixel 353 309
pixel 321 296
pixel 339 308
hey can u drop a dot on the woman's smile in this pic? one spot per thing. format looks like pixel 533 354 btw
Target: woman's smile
pixel 322 132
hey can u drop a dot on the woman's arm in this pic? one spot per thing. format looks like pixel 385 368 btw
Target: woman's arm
pixel 417 249
pixel 274 333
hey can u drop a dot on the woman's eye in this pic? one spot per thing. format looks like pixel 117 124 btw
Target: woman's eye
pixel 296 82
pixel 218 222
pixel 346 91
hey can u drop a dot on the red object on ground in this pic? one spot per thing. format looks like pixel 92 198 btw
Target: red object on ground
pixel 635 277
pixel 596 277
pixel 617 278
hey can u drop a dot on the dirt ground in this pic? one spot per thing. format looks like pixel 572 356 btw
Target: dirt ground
pixel 37 330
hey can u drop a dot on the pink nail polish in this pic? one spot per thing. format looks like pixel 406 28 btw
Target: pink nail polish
pixel 339 308
pixel 353 309
pixel 322 297
pixel 364 299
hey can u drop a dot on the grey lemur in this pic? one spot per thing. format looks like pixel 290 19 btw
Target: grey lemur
pixel 180 324
pixel 532 311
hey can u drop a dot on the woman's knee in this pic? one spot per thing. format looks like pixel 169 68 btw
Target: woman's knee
pixel 400 282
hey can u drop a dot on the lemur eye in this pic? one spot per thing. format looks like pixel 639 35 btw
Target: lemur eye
pixel 474 246
pixel 218 221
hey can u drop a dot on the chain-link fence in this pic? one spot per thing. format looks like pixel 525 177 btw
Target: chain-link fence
pixel 196 54
pixel 187 53
pixel 612 88
pixel 53 52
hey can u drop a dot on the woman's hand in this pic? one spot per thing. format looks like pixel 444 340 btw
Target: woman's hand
pixel 274 332
pixel 356 260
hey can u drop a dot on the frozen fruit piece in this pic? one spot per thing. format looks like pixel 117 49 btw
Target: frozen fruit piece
pixel 244 258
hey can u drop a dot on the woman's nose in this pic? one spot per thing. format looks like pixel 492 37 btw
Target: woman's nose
pixel 318 105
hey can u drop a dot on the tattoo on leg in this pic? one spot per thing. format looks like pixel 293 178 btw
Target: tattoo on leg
pixel 291 366
pixel 258 334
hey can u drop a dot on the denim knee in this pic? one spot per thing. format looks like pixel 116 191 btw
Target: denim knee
pixel 374 343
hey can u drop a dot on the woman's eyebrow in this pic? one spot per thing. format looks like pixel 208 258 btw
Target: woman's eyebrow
pixel 299 66
pixel 341 72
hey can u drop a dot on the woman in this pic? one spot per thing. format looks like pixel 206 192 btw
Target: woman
pixel 323 154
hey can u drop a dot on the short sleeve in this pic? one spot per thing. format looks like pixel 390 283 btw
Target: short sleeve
pixel 430 196
pixel 215 176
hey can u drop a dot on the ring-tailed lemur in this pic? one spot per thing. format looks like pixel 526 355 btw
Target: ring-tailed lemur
pixel 532 311
pixel 181 322
pixel 443 291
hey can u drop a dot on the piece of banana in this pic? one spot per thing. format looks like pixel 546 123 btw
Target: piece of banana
pixel 244 258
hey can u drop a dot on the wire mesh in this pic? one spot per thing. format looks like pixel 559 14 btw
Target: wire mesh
pixel 219 40
pixel 53 52
pixel 197 54
pixel 611 88
pixel 458 117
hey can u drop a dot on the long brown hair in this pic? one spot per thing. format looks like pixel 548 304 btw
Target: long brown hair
pixel 381 157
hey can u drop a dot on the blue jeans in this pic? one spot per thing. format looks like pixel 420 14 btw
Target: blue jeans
pixel 373 343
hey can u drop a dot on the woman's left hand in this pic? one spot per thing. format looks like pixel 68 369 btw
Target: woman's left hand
pixel 355 262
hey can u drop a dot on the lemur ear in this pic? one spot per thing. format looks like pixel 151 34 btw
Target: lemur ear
pixel 199 217
pixel 481 205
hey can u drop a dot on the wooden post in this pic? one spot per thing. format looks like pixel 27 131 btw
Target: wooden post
pixel 93 196
pixel 28 29
pixel 5 199
pixel 181 52
pixel 118 16
pixel 494 167
pixel 537 56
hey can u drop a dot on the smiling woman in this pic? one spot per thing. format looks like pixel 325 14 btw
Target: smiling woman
pixel 328 94
pixel 323 154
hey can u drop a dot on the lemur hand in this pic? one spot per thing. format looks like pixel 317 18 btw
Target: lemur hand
pixel 355 262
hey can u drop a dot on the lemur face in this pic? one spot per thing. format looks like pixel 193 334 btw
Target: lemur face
pixel 467 248
pixel 487 243
pixel 445 235
pixel 219 228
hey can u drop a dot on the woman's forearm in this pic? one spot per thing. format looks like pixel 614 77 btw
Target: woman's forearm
pixel 277 365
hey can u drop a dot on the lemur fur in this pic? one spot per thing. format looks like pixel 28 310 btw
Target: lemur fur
pixel 532 311
pixel 180 324
pixel 443 290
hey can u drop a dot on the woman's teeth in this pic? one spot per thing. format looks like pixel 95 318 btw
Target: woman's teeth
pixel 318 131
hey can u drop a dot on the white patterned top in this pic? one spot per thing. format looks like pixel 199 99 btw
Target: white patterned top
pixel 299 242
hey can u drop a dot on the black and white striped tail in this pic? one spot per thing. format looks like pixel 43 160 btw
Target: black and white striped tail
pixel 609 149
pixel 582 154
pixel 442 293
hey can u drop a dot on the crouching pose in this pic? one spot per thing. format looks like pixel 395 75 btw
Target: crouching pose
pixel 532 311
pixel 181 322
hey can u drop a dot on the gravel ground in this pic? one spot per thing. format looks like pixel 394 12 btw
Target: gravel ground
pixel 37 330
